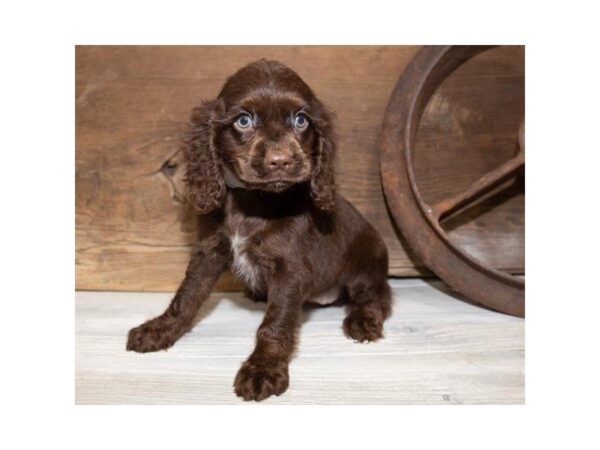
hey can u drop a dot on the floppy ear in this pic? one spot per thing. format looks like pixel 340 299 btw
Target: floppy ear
pixel 204 177
pixel 322 183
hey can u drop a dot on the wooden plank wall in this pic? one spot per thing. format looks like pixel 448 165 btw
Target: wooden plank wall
pixel 133 228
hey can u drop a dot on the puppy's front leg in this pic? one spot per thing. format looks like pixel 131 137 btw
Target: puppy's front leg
pixel 205 267
pixel 265 372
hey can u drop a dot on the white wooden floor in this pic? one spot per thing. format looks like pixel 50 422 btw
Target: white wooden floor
pixel 437 350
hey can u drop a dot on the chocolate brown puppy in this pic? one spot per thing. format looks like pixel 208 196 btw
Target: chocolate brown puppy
pixel 260 167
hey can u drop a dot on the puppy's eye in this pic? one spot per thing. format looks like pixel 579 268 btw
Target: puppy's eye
pixel 244 122
pixel 300 121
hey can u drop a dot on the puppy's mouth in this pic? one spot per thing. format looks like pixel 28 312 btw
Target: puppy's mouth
pixel 279 184
pixel 276 186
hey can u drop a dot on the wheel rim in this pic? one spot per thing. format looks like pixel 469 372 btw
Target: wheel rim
pixel 420 222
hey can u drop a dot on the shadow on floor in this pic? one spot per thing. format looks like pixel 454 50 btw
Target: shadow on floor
pixel 240 299
pixel 441 286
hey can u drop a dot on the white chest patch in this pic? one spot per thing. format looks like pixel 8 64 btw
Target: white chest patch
pixel 241 266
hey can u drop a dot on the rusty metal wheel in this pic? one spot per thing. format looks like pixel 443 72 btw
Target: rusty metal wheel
pixel 420 222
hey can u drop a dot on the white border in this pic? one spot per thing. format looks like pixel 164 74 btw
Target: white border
pixel 38 218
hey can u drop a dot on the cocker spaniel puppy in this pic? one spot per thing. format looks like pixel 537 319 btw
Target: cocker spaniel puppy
pixel 260 167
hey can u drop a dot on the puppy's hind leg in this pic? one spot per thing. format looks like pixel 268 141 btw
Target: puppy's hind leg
pixel 369 305
pixel 368 293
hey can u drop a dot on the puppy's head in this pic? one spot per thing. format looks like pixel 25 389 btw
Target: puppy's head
pixel 266 130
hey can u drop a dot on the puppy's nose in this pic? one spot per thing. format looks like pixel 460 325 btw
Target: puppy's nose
pixel 278 160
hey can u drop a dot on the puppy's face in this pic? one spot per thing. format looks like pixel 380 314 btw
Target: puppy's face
pixel 266 130
pixel 267 135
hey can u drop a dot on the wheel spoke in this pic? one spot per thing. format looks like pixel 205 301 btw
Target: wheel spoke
pixel 480 187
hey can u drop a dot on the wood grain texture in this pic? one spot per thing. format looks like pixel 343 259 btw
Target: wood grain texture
pixel 437 350
pixel 469 128
pixel 133 230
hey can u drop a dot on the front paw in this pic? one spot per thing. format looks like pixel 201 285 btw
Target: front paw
pixel 258 382
pixel 156 334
